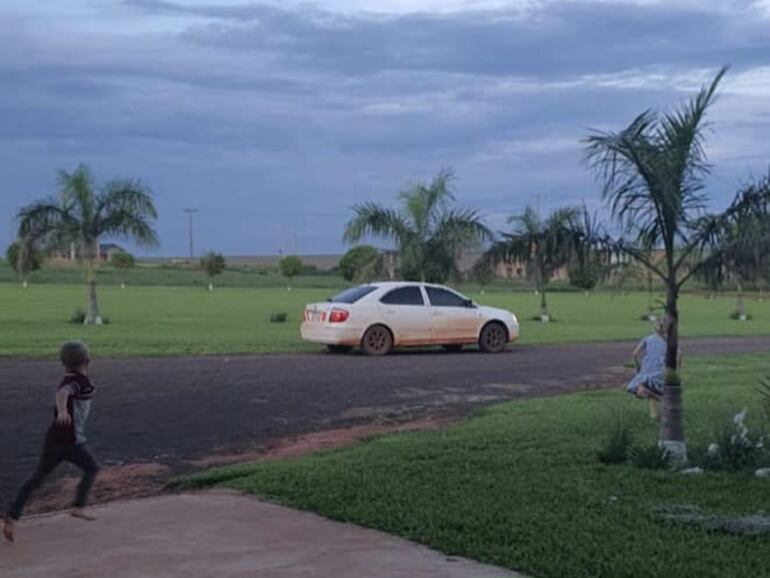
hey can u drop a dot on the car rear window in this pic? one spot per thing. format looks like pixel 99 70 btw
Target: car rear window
pixel 443 298
pixel 353 294
pixel 403 296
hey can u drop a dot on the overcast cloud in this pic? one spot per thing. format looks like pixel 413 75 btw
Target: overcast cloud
pixel 273 118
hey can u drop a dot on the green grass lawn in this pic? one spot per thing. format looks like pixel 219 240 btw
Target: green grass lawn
pixel 520 486
pixel 191 320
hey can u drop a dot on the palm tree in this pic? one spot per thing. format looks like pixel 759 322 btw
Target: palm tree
pixel 428 231
pixel 741 255
pixel 79 216
pixel 653 175
pixel 543 246
pixel 592 258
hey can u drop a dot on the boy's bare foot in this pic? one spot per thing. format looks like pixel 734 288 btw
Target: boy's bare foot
pixel 81 515
pixel 9 529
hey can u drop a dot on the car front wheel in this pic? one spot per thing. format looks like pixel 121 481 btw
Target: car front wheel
pixel 493 338
pixel 378 340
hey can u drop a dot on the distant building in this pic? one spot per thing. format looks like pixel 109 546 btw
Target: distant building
pixel 107 250
pixel 104 253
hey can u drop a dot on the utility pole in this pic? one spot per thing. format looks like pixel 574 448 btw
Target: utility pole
pixel 190 213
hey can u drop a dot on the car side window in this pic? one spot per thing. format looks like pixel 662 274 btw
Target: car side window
pixel 403 296
pixel 443 298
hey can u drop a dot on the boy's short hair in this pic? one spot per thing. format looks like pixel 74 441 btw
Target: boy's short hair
pixel 74 354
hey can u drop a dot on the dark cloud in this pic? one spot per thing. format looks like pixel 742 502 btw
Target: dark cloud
pixel 274 120
pixel 561 38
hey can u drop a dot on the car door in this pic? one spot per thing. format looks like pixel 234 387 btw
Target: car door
pixel 453 318
pixel 404 310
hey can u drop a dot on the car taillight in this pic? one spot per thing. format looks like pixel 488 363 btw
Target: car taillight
pixel 338 315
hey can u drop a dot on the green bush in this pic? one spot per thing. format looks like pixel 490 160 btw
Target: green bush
pixel 78 317
pixel 617 444
pixel 651 457
pixel 735 448
pixel 736 315
pixel 213 263
pixel 290 266
pixel 278 317
pixel 356 261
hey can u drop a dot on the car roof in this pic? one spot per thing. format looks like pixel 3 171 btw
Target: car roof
pixel 394 284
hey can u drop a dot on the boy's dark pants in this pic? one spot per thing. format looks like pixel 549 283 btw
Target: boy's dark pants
pixel 53 455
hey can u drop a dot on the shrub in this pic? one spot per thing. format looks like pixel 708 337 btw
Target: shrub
pixel 278 317
pixel 651 457
pixel 618 443
pixel 23 258
pixel 290 266
pixel 78 317
pixel 736 316
pixel 213 263
pixel 356 261
pixel 735 448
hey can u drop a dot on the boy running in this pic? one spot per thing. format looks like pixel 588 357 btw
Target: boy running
pixel 65 439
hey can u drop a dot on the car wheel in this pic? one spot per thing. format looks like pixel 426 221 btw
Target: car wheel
pixel 338 348
pixel 493 338
pixel 452 348
pixel 378 340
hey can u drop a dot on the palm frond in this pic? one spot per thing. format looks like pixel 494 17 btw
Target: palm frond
pixel 126 209
pixel 424 204
pixel 461 226
pixel 372 219
pixel 735 241
pixel 76 190
pixel 42 219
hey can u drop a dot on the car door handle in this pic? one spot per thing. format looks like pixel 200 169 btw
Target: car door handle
pixel 390 311
pixel 437 314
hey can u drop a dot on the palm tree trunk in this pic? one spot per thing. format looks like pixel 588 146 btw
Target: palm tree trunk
pixel 672 425
pixel 740 309
pixel 92 315
pixel 649 295
pixel 543 305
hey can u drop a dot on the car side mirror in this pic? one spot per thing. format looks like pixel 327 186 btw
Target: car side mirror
pixel 470 304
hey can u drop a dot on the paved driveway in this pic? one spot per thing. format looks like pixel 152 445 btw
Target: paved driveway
pixel 169 410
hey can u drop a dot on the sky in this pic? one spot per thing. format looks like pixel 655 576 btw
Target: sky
pixel 273 118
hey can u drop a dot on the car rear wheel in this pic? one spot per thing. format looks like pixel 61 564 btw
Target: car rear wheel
pixel 378 340
pixel 338 348
pixel 493 338
pixel 452 348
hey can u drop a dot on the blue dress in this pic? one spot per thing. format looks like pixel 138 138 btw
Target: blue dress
pixel 652 367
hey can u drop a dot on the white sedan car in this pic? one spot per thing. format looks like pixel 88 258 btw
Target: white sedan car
pixel 380 316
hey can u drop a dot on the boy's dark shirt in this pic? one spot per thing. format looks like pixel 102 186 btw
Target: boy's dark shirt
pixel 78 406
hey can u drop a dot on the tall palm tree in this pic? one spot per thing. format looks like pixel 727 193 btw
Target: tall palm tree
pixel 80 215
pixel 653 174
pixel 741 255
pixel 592 258
pixel 429 233
pixel 543 246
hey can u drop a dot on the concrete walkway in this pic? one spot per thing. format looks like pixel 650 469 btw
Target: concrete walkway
pixel 217 534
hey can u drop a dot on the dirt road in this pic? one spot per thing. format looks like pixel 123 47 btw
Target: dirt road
pixel 171 410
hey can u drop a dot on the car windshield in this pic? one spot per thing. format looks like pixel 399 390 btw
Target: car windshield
pixel 353 294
